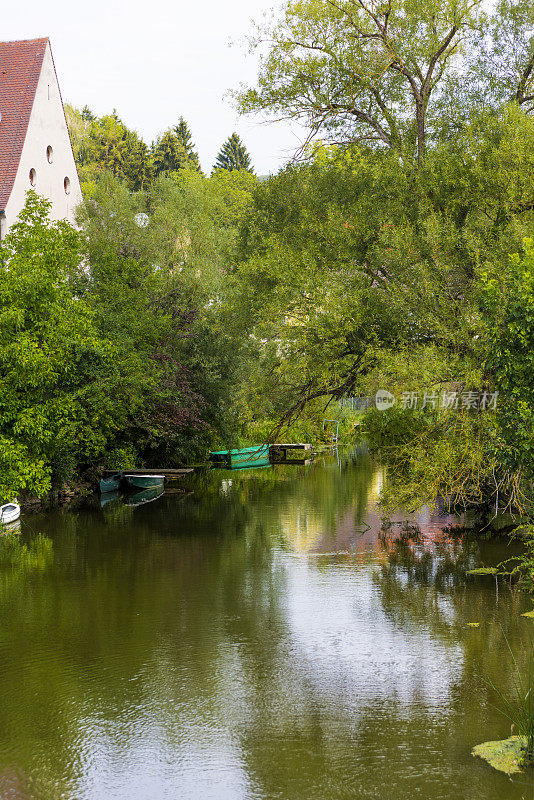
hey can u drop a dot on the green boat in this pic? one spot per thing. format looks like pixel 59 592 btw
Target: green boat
pixel 111 483
pixel 144 496
pixel 257 456
pixel 144 481
pixel 108 497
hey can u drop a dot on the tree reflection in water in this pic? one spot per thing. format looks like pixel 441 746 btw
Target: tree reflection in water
pixel 263 637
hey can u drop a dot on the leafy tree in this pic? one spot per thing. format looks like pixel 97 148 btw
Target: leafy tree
pixel 357 71
pixel 158 292
pixel 52 357
pixel 508 301
pixel 114 344
pixel 233 155
pixel 359 272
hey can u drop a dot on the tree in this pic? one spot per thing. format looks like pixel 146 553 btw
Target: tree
pixel 184 135
pixel 359 71
pixel 105 144
pixel 159 293
pixel 52 357
pixel 174 150
pixel 233 155
pixel 507 296
pixel 358 272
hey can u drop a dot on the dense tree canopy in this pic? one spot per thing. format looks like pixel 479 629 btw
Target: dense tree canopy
pixel 105 144
pixel 368 274
pixel 394 73
pixel 396 256
pixel 116 348
pixel 52 356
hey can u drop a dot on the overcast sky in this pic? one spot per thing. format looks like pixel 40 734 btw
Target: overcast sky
pixel 154 61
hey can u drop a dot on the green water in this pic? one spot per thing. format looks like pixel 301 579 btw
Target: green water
pixel 257 638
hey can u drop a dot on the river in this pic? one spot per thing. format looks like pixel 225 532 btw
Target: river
pixel 261 637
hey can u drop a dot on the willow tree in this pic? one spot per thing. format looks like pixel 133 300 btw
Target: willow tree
pixel 357 70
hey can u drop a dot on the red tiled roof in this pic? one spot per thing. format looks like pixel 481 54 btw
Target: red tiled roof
pixel 20 67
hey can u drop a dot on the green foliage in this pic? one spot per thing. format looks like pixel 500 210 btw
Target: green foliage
pixel 233 155
pixel 114 342
pixel 357 71
pixel 51 354
pixel 358 272
pixel 174 151
pixel 521 567
pixel 508 301
pixel 105 144
pixel 158 293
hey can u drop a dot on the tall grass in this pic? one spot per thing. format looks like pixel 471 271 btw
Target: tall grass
pixel 518 704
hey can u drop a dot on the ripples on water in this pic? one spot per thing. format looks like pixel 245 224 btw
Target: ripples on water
pixel 260 638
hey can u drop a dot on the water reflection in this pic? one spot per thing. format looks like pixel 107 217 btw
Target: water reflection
pixel 265 636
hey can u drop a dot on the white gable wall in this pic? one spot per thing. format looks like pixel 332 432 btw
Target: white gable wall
pixel 47 127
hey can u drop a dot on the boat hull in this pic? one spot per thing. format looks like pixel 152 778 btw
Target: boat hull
pixel 144 481
pixel 145 496
pixel 9 513
pixel 111 484
pixel 257 456
pixel 108 497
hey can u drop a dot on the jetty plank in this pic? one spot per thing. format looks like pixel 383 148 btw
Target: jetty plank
pixel 168 473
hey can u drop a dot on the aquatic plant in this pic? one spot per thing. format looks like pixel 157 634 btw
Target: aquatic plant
pixel 517 705
pixel 521 567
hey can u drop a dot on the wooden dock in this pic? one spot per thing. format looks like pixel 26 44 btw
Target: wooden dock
pixel 169 474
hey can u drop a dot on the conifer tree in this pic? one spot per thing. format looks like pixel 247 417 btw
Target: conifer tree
pixel 174 150
pixel 168 154
pixel 233 155
pixel 184 135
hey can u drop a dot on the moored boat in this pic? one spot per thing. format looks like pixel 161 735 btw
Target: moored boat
pixel 9 513
pixel 137 481
pixel 145 496
pixel 111 483
pixel 11 527
pixel 256 456
pixel 108 497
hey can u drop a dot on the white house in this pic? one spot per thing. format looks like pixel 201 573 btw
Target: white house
pixel 35 147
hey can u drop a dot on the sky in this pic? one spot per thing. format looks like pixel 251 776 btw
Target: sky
pixel 154 61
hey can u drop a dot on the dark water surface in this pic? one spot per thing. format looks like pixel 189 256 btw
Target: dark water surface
pixel 259 638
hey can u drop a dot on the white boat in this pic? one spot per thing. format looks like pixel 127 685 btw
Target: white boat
pixel 9 513
pixel 11 527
